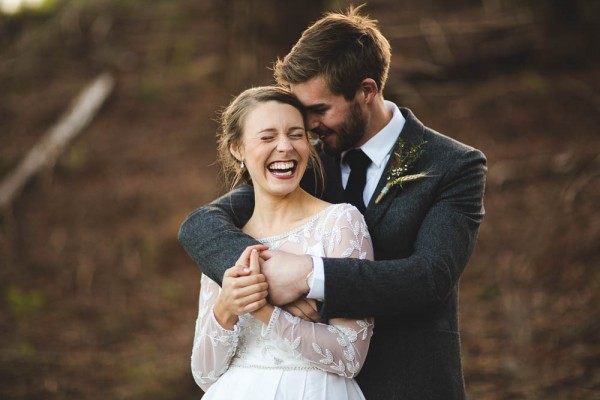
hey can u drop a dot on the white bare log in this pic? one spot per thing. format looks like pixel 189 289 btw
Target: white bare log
pixel 513 171
pixel 45 153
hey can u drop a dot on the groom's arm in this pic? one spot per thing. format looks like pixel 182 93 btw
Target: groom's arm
pixel 443 245
pixel 444 242
pixel 211 235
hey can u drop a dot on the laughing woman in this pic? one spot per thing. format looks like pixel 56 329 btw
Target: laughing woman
pixel 245 348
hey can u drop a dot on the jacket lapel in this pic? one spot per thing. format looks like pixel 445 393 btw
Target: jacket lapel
pixel 412 133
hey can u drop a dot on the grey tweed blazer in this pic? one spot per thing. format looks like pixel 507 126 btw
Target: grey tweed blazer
pixel 423 235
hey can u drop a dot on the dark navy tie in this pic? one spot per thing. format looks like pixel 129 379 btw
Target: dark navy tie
pixel 358 162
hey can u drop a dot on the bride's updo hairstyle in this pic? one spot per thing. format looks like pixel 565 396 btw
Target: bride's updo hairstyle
pixel 232 121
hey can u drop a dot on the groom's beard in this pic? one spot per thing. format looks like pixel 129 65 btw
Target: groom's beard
pixel 348 133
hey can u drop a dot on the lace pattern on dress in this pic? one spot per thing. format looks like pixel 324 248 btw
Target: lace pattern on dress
pixel 288 342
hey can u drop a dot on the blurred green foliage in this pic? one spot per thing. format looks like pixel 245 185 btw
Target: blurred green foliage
pixel 13 7
pixel 24 304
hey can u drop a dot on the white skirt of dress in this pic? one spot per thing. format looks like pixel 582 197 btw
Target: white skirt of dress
pixel 267 384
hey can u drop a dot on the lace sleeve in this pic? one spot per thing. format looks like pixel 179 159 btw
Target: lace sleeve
pixel 340 346
pixel 213 346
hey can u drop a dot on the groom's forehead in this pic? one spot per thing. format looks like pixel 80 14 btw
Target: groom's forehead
pixel 315 95
pixel 313 91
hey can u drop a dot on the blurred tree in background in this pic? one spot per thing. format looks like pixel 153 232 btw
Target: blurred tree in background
pixel 97 299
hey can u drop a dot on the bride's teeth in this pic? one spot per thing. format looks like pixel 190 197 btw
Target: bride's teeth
pixel 282 165
pixel 282 168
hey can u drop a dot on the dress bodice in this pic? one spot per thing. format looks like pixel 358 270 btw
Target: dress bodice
pixel 288 342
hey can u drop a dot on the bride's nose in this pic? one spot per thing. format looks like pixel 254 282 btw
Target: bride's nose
pixel 284 144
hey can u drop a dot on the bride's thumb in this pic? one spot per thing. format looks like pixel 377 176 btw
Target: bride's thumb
pixel 266 254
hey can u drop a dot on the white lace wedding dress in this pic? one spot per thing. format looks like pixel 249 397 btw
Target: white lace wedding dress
pixel 289 358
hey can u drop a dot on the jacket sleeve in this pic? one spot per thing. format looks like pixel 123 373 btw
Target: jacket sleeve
pixel 211 235
pixel 443 245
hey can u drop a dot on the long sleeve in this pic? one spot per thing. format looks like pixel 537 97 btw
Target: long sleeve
pixel 214 346
pixel 452 211
pixel 205 230
pixel 341 346
pixel 422 242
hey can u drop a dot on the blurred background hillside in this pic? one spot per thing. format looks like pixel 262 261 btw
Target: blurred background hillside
pixel 97 298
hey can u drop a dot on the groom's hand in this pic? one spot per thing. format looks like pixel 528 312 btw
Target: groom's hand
pixel 305 309
pixel 286 274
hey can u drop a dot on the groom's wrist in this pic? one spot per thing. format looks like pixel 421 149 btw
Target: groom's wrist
pixel 310 278
pixel 316 280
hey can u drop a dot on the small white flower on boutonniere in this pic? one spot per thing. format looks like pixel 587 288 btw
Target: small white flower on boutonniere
pixel 403 162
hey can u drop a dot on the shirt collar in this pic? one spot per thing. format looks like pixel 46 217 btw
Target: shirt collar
pixel 382 144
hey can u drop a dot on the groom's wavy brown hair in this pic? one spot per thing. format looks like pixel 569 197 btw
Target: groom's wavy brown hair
pixel 232 121
pixel 343 48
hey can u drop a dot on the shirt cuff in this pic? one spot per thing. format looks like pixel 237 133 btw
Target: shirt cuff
pixel 317 284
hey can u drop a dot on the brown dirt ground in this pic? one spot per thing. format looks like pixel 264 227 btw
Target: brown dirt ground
pixel 98 300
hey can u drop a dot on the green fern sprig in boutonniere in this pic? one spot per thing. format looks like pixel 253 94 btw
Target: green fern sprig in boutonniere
pixel 402 163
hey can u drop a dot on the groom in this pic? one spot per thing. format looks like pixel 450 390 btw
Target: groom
pixel 423 230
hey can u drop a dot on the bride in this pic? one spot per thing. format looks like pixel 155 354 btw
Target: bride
pixel 245 348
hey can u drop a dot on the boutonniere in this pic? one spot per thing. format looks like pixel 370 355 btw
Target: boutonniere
pixel 402 163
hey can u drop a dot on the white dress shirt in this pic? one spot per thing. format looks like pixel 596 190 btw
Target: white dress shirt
pixel 379 149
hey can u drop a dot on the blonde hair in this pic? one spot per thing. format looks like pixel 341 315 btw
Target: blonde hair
pixel 232 121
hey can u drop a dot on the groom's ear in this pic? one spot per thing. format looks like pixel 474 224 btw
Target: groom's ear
pixel 368 89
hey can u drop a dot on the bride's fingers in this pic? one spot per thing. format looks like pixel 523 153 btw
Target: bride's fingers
pixel 254 266
pixel 235 271
pixel 266 254
pixel 245 256
pixel 246 291
pixel 241 305
pixel 257 305
pixel 254 297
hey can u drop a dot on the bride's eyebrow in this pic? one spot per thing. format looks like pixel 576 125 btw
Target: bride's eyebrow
pixel 274 130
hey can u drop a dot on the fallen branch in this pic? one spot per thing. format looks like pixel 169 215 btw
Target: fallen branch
pixel 511 171
pixel 506 172
pixel 52 144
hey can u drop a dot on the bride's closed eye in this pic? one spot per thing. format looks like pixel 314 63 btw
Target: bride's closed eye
pixel 299 134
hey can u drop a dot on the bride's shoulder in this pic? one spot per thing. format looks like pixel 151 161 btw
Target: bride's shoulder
pixel 343 212
pixel 347 208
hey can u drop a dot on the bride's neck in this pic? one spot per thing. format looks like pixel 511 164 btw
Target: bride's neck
pixel 275 215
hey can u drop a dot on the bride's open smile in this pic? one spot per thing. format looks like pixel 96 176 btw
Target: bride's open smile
pixel 283 169
pixel 274 148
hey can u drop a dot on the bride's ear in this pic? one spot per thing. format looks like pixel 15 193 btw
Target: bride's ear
pixel 234 149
